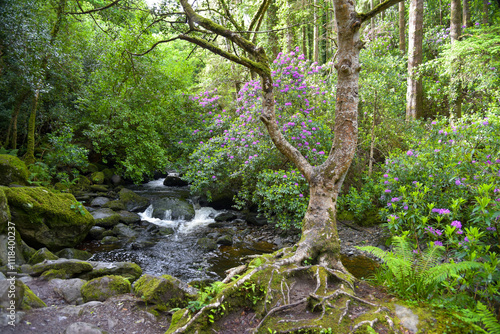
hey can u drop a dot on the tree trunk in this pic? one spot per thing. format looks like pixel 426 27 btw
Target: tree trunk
pixel 485 13
pixel 29 158
pixel 402 27
pixel 12 139
pixel 316 31
pixel 272 22
pixel 466 14
pixel 372 21
pixel 414 90
pixel 455 32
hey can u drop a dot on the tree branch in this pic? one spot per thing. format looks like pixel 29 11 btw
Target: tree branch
pixel 95 9
pixel 377 9
pixel 153 47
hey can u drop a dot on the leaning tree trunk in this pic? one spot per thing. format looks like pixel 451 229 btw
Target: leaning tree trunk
pixel 414 90
pixel 486 14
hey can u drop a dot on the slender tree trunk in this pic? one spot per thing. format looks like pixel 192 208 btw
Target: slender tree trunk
pixel 12 139
pixel 466 14
pixel 316 31
pixel 372 135
pixel 414 90
pixel 29 158
pixel 455 32
pixel 402 27
pixel 304 40
pixel 485 13
pixel 272 20
pixel 372 22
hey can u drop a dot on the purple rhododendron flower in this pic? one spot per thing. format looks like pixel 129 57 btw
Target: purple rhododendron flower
pixel 457 224
pixel 438 243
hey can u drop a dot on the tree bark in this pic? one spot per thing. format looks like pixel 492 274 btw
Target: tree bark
pixel 316 31
pixel 414 90
pixel 466 14
pixel 485 13
pixel 455 32
pixel 29 157
pixel 12 139
pixel 402 27
pixel 272 21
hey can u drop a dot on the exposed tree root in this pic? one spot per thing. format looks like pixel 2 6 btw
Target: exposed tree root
pixel 316 295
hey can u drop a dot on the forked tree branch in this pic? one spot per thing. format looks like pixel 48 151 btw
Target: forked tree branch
pixel 377 9
pixel 95 9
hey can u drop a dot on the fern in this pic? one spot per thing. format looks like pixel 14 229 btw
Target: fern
pixel 417 275
pixel 481 315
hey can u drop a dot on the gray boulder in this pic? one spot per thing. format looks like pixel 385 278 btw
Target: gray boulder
pixel 72 253
pixel 106 217
pixel 127 217
pixel 84 328
pixel 68 289
pixel 207 244
pixel 128 270
pixel 166 291
pixel 99 201
pixel 12 170
pixel 132 201
pixel 173 208
pixel 225 216
pixel 123 231
pixel 101 288
pixel 174 181
pixel 96 232
pixel 70 267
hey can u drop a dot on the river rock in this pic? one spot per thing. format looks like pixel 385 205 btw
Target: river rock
pixel 41 255
pixel 174 181
pixel 99 201
pixel 127 217
pixel 116 180
pixel 115 205
pixel 99 188
pixel 47 219
pixel 84 328
pixel 175 208
pixel 97 177
pixel 24 298
pixel 253 218
pixel 68 289
pixel 166 291
pixel 123 231
pixel 69 266
pixel 226 240
pixel 102 288
pixel 132 201
pixel 12 171
pixel 96 232
pixel 207 244
pixel 109 239
pixel 72 253
pixel 225 216
pixel 128 270
pixel 106 217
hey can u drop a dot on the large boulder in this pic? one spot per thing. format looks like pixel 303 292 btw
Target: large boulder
pixel 72 253
pixel 174 181
pixel 41 255
pixel 132 201
pixel 173 208
pixel 69 289
pixel 84 328
pixel 16 292
pixel 129 217
pixel 102 288
pixel 69 267
pixel 47 219
pixel 105 217
pixel 128 270
pixel 166 291
pixel 12 171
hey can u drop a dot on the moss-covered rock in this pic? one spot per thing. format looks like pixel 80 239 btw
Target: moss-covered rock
pixel 47 219
pixel 129 217
pixel 21 251
pixel 4 212
pixel 70 266
pixel 6 290
pixel 54 273
pixel 177 208
pixel 12 170
pixel 109 240
pixel 72 253
pixel 102 288
pixel 41 255
pixel 132 201
pixel 105 217
pixel 30 300
pixel 166 291
pixel 115 205
pixel 100 188
pixel 97 177
pixel 128 270
pixel 207 244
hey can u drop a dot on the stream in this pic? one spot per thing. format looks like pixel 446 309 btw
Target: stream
pixel 179 254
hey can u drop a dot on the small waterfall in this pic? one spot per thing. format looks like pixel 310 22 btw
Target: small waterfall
pixel 168 215
pixel 202 217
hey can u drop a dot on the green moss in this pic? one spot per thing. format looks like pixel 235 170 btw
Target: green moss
pixel 102 288
pixel 179 319
pixel 71 267
pixel 165 291
pixel 48 219
pixel 30 300
pixel 97 177
pixel 55 273
pixel 115 205
pixel 12 170
pixel 4 212
pixel 41 255
pixel 128 270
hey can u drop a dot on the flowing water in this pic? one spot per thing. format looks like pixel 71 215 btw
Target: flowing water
pixel 177 254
